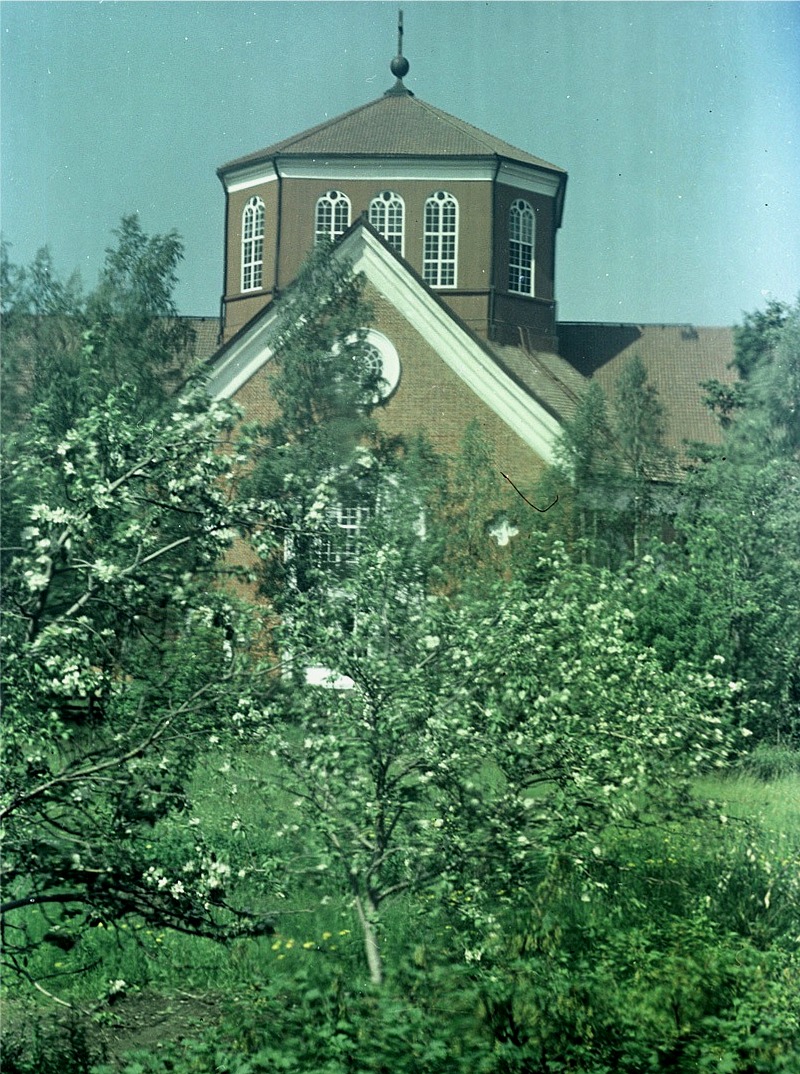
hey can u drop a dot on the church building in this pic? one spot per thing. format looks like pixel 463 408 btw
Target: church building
pixel 455 231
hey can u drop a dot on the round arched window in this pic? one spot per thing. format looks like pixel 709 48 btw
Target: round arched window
pixel 383 359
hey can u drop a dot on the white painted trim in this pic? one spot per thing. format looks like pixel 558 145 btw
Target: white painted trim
pixel 384 171
pixel 527 177
pixel 534 425
pixel 242 360
pixel 390 362
pixel 256 175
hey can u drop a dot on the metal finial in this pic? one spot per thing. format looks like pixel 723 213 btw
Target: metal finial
pixel 399 65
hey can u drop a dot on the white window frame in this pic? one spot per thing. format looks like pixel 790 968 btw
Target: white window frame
pixel 440 241
pixel 521 247
pixel 383 353
pixel 253 245
pixel 331 216
pixel 341 537
pixel 387 214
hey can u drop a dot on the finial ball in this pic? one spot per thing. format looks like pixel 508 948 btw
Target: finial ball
pixel 399 67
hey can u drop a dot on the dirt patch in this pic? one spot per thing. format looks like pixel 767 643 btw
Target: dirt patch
pixel 57 1040
pixel 147 1021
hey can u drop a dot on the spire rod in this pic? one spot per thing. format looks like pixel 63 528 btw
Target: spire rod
pixel 399 65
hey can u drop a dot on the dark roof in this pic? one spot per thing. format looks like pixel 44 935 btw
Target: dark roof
pixel 206 336
pixel 677 358
pixel 547 377
pixel 395 125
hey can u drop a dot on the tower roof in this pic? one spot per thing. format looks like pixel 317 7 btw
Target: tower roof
pixel 394 125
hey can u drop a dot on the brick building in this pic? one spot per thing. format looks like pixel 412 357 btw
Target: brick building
pixel 455 232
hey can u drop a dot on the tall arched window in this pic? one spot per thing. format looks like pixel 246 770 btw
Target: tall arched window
pixel 253 244
pixel 440 240
pixel 521 222
pixel 387 215
pixel 333 215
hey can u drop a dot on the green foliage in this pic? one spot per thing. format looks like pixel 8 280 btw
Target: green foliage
pixel 133 332
pixel 739 521
pixel 121 659
pixel 326 389
pixel 63 352
pixel 588 459
pixel 755 338
pixel 613 458
pixel 52 1048
pixel 768 762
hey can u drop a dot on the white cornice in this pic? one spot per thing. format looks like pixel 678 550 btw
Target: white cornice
pixel 383 170
pixel 532 423
pixel 255 175
pixel 527 178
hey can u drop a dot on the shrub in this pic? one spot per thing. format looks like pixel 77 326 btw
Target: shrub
pixel 770 761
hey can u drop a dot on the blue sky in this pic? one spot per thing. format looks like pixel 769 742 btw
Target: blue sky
pixel 679 125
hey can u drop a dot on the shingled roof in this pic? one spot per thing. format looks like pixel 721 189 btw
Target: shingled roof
pixel 677 358
pixel 395 125
pixel 545 376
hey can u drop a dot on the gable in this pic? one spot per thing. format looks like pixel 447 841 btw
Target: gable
pixel 449 375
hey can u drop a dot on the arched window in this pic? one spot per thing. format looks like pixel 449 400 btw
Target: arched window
pixel 383 361
pixel 387 215
pixel 440 240
pixel 520 248
pixel 333 216
pixel 253 244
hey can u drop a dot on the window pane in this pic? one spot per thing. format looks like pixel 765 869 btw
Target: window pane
pixel 252 244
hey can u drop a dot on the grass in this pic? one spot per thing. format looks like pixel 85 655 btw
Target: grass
pixel 670 872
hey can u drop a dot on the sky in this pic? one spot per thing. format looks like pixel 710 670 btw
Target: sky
pixel 679 125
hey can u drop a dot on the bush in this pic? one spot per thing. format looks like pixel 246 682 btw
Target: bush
pixel 50 1048
pixel 769 761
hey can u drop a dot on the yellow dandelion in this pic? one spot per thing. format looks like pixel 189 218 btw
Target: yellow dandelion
pixel 276 946
pixel 289 945
pixel 309 944
pixel 344 932
pixel 327 935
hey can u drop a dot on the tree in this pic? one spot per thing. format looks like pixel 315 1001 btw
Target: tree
pixel 756 337
pixel 325 387
pixel 123 657
pixel 639 430
pixel 42 321
pixel 730 588
pixel 614 459
pixel 63 351
pixel 588 458
pixel 364 754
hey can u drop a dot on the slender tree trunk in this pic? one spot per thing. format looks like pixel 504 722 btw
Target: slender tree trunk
pixel 366 916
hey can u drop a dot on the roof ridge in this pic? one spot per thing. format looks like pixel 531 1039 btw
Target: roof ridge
pixel 490 141
pixel 459 124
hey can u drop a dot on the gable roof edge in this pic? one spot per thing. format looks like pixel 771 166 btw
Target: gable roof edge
pixel 470 357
